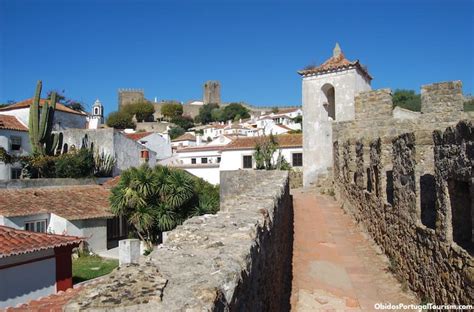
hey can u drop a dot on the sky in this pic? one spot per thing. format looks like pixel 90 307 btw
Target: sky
pixel 90 49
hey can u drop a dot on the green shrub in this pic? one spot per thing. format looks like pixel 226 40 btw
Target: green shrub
pixel 407 99
pixel 176 132
pixel 76 164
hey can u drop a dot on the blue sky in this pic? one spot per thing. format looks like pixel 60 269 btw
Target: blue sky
pixel 169 48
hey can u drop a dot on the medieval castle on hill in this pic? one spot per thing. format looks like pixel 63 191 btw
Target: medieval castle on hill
pixel 211 94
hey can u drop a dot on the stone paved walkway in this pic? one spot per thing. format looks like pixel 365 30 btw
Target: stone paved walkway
pixel 335 266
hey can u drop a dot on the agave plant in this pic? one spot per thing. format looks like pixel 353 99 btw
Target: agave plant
pixel 104 164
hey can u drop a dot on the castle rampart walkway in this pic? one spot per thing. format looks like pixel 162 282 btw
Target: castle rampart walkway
pixel 335 266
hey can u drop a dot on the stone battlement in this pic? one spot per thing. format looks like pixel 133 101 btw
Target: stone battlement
pixel 444 98
pixel 413 193
pixel 238 259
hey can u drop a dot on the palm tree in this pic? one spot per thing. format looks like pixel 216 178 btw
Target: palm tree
pixel 153 199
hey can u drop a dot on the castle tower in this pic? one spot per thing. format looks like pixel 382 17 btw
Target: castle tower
pixel 328 95
pixel 212 92
pixel 96 119
pixel 129 96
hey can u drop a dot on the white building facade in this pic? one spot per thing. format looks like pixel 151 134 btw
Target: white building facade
pixel 14 139
pixel 328 95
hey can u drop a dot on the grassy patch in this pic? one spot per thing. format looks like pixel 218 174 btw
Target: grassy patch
pixel 88 267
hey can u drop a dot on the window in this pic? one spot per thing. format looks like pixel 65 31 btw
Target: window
pixel 247 162
pixel 15 142
pixel 204 160
pixel 218 160
pixel 15 173
pixel 36 226
pixel 461 213
pixel 297 160
pixel 193 161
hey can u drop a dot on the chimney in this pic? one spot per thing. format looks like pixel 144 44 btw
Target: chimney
pixel 198 139
pixel 229 122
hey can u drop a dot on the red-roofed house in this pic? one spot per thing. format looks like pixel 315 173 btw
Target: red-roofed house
pixel 79 210
pixel 64 117
pixel 33 265
pixel 239 154
pixel 15 140
pixel 154 142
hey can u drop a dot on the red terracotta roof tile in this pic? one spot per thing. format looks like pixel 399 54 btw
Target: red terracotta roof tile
pixel 16 242
pixel 52 303
pixel 334 63
pixel 138 135
pixel 185 137
pixel 200 148
pixel 285 140
pixel 11 123
pixel 77 202
pixel 28 102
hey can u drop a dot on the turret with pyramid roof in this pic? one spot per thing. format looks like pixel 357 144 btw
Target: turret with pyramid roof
pixel 328 95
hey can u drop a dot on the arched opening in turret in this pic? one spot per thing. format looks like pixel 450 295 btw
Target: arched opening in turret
pixel 96 111
pixel 329 100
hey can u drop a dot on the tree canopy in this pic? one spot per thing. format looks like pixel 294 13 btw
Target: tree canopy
pixel 235 111
pixel 212 112
pixel 407 99
pixel 142 110
pixel 184 121
pixel 172 110
pixel 205 113
pixel 160 198
pixel 120 120
pixel 176 132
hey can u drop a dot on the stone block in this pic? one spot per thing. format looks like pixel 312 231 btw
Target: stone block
pixel 129 251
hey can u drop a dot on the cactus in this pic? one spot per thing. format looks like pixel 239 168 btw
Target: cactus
pixel 43 142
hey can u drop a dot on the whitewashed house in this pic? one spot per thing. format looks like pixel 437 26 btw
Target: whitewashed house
pixel 78 210
pixel 33 265
pixel 127 152
pixel 233 153
pixel 154 141
pixel 240 153
pixel 64 117
pixel 15 140
pixel 185 140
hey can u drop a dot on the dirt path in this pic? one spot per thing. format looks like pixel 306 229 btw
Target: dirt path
pixel 335 266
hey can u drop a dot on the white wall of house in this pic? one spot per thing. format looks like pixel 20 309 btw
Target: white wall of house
pixel 158 144
pixel 19 222
pixel 210 174
pixel 185 158
pixel 94 230
pixel 184 143
pixel 62 120
pixel 5 142
pixel 233 159
pixel 21 283
pixel 126 151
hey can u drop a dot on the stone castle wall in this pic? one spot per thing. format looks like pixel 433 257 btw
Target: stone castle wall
pixel 237 260
pixel 410 185
pixel 129 96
